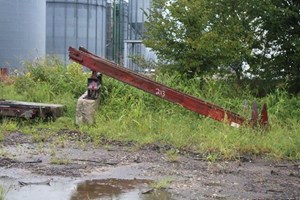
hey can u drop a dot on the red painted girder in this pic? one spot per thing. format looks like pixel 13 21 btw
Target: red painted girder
pixel 127 76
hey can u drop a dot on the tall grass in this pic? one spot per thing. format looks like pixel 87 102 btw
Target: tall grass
pixel 129 114
pixel 2 193
pixel 47 81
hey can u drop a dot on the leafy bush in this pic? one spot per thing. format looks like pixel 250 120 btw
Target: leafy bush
pixel 48 79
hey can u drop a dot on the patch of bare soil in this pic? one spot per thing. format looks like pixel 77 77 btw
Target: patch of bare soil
pixel 72 154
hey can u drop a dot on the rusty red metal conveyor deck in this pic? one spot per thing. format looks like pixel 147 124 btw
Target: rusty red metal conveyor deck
pixel 106 67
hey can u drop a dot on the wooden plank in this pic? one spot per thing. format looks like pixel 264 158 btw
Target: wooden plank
pixel 30 110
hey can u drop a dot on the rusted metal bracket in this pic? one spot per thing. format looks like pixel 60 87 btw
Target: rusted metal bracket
pixel 263 121
pixel 93 86
pixel 101 65
pixel 3 73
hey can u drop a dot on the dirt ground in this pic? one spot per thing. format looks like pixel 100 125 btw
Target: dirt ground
pixel 71 154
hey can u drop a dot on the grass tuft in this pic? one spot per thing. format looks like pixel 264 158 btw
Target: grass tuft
pixel 59 161
pixel 161 184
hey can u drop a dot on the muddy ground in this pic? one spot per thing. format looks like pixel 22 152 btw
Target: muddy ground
pixel 71 156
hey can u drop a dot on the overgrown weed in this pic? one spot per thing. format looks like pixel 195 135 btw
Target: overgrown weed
pixel 2 193
pixel 59 161
pixel 172 155
pixel 128 114
pixel 161 184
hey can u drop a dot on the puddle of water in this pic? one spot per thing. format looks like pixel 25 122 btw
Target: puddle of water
pixel 58 190
pixel 111 185
pixel 67 189
pixel 117 189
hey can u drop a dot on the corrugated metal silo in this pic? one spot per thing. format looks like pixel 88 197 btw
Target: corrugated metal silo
pixel 133 46
pixel 117 29
pixel 75 23
pixel 22 31
pixel 137 17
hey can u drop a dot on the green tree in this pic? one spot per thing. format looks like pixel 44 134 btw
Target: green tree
pixel 279 43
pixel 201 36
pixel 224 36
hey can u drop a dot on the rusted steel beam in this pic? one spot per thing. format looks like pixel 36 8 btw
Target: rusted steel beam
pixel 29 110
pixel 95 63
pixel 3 73
pixel 264 120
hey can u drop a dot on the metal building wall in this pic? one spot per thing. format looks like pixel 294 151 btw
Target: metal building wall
pixel 22 31
pixel 137 18
pixel 133 46
pixel 118 30
pixel 75 23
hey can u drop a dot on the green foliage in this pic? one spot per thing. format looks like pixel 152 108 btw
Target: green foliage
pixel 132 115
pixel 220 37
pixel 202 37
pixel 128 114
pixel 161 184
pixel 48 81
pixel 59 161
pixel 53 78
pixel 172 156
pixel 279 20
pixel 8 126
pixel 2 193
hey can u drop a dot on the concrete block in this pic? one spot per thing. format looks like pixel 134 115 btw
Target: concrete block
pixel 86 110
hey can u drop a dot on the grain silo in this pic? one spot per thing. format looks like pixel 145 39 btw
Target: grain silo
pixel 117 29
pixel 75 23
pixel 137 18
pixel 22 31
pixel 133 46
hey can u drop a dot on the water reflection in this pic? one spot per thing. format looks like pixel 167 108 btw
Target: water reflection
pixel 118 189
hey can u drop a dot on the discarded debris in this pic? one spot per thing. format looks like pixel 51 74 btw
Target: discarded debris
pixel 30 110
pixel 98 161
pixel 34 161
pixel 148 191
pixel 47 182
